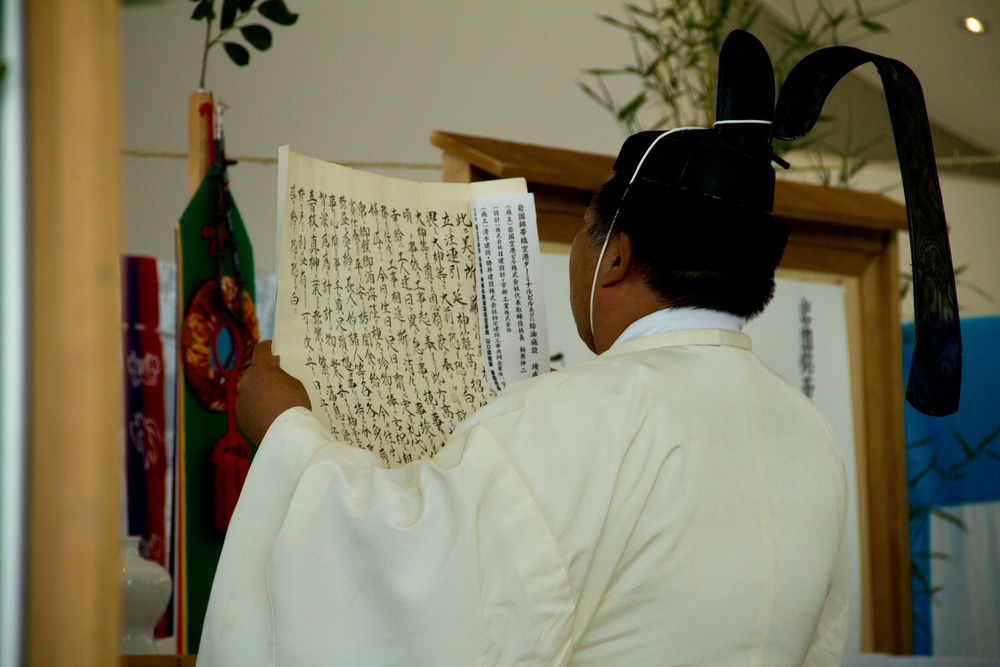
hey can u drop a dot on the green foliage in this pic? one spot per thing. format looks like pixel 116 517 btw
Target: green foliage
pixel 232 17
pixel 970 453
pixel 675 46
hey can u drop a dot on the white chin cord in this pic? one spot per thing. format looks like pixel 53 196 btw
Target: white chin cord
pixel 593 285
pixel 611 227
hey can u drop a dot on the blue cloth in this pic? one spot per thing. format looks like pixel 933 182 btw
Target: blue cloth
pixel 952 460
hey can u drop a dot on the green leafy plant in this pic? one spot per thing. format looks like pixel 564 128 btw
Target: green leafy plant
pixel 674 47
pixel 232 17
pixel 933 471
pixel 675 44
pixel 972 453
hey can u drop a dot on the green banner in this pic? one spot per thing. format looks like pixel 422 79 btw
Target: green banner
pixel 217 328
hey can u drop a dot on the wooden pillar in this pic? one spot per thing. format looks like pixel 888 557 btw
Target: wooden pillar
pixel 887 579
pixel 73 606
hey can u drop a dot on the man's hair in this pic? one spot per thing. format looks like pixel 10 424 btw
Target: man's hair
pixel 691 249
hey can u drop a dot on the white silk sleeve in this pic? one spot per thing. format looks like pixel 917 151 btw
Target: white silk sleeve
pixel 333 559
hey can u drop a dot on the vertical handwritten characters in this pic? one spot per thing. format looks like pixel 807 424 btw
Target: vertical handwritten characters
pixel 379 298
pixel 807 363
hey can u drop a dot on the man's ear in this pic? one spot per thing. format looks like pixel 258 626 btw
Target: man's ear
pixel 617 262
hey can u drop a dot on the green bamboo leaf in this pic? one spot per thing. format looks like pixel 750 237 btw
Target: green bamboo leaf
pixel 203 10
pixel 985 442
pixel 605 104
pixel 951 472
pixel 246 5
pixel 950 518
pixel 873 26
pixel 258 36
pixel 612 21
pixel 629 110
pixel 237 53
pixel 966 447
pixel 835 20
pixel 276 11
pixel 649 69
pixel 649 35
pixel 229 8
pixel 635 9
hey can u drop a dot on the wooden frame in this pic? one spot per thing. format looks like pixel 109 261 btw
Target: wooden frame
pixel 840 235
pixel 75 388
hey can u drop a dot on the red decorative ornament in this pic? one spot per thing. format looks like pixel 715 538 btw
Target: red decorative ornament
pixel 217 343
pixel 211 331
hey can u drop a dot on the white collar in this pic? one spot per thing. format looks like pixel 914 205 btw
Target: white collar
pixel 677 319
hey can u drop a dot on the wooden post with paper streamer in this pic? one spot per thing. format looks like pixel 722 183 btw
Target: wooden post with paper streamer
pixel 217 331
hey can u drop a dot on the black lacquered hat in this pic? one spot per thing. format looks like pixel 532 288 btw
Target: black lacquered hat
pixel 732 163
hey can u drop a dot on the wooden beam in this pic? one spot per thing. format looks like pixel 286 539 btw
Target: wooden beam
pixel 74 399
pixel 569 171
pixel 539 164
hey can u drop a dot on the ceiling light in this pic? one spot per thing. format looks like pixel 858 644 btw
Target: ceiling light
pixel 974 25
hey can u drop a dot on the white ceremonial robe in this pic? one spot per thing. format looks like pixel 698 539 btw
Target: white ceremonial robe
pixel 671 502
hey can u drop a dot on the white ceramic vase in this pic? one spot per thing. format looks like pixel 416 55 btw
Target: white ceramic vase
pixel 146 590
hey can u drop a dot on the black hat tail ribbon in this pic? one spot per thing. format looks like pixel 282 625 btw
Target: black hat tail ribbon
pixel 936 366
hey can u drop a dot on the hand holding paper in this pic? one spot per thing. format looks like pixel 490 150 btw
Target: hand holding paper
pixel 264 392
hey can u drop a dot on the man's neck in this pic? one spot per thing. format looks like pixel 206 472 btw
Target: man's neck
pixel 626 303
